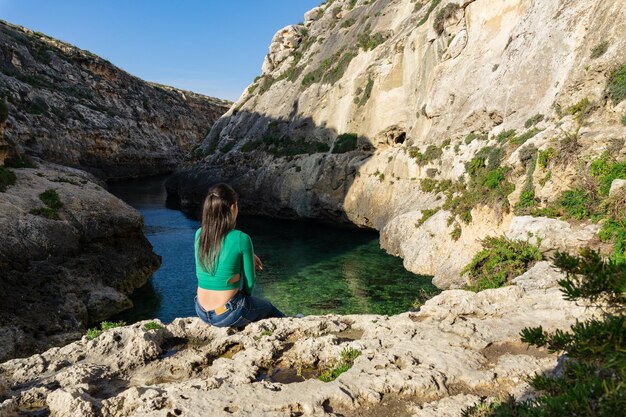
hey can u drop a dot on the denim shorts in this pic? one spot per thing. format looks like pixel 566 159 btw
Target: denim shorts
pixel 242 310
pixel 231 318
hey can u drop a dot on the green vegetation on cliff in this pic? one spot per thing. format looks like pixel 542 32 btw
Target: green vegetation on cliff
pixel 444 13
pixel 500 260
pixel 345 142
pixel 53 203
pixel 7 178
pixel 592 379
pixel 617 85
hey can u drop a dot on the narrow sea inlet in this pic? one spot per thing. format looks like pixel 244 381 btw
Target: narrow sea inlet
pixel 309 268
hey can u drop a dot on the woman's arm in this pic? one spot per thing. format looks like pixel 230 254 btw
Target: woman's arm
pixel 247 251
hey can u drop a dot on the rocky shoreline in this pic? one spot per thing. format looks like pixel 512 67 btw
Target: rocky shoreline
pixel 458 348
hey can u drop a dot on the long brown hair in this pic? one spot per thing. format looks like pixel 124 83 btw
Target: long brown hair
pixel 217 221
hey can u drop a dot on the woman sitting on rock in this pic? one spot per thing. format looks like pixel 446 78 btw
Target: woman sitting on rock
pixel 225 266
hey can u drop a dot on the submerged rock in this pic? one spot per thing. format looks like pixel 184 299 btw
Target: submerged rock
pixel 65 267
pixel 459 347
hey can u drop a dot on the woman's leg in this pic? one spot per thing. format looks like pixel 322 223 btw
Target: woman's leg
pixel 256 309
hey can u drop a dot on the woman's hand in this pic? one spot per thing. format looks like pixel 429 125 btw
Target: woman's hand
pixel 257 263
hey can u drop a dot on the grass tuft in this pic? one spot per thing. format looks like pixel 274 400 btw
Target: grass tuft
pixel 152 325
pixel 346 359
pixel 104 326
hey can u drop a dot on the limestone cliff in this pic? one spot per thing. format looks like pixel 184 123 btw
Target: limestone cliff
pixel 69 106
pixel 71 254
pixel 425 120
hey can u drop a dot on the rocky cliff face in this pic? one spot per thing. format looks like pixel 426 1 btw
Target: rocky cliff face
pixel 437 123
pixel 69 106
pixel 71 254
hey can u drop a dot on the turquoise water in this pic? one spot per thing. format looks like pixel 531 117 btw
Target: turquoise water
pixel 309 268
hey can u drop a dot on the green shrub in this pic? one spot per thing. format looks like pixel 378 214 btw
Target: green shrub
pixel 518 140
pixel 53 203
pixel 151 325
pixel 366 94
pixel 447 11
pixel 616 86
pixel 492 155
pixel 7 178
pixel 472 136
pixel 335 73
pixel 500 260
pixel 580 109
pixel 492 179
pixel 533 120
pixel 347 23
pixel 545 178
pixel 545 156
pixel 346 359
pixel 576 203
pixel 456 232
pixel 94 332
pixel 505 135
pixel 605 169
pixel 527 154
pixel 251 146
pixel 426 214
pixel 527 197
pixel 429 185
pixel 345 142
pixel 592 378
pixel 432 152
pixel 369 42
pixel 599 49
pixel 330 69
pixel 51 199
pixel 228 147
pixel 19 161
pixel 432 172
pixel 624 119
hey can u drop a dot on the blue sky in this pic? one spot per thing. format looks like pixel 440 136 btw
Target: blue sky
pixel 214 47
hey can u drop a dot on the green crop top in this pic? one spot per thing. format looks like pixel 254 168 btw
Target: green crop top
pixel 236 256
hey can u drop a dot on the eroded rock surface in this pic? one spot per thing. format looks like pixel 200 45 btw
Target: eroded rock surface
pixel 69 106
pixel 459 347
pixel 57 275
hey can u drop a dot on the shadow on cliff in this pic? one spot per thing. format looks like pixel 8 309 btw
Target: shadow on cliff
pixel 282 168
